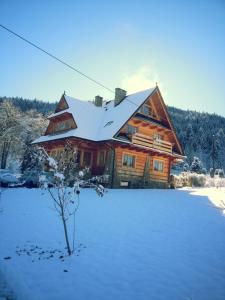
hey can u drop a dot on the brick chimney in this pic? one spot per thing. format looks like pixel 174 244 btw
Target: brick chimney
pixel 98 101
pixel 119 95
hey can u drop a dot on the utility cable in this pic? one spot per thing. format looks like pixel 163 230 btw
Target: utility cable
pixel 61 61
pixel 56 58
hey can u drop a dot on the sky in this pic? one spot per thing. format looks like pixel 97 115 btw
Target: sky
pixel 128 44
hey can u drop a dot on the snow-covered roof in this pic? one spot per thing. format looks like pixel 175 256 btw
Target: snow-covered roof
pixel 98 123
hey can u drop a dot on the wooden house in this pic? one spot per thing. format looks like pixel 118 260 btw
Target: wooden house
pixel 130 139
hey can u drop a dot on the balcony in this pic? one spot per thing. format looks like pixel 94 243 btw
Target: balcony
pixel 146 141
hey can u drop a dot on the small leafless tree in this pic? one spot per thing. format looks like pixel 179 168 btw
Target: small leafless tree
pixel 63 180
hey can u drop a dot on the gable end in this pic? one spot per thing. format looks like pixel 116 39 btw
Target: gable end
pixel 62 105
pixel 138 108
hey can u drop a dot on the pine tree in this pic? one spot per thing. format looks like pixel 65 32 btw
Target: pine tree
pixel 196 165
pixel 189 149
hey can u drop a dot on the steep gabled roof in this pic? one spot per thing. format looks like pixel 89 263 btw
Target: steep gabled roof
pixel 103 123
pixel 98 123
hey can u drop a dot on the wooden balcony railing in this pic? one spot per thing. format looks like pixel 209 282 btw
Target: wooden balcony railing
pixel 146 141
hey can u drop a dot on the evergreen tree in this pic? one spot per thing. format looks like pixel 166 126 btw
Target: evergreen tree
pixel 196 165
pixel 189 149
pixel 28 161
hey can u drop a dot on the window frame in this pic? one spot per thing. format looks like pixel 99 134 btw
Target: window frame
pixel 160 163
pixel 134 160
pixel 135 129
pixel 65 125
pixel 150 110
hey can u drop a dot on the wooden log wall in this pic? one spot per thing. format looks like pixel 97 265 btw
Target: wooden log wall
pixel 140 159
pixel 54 147
pixel 139 168
pixel 156 175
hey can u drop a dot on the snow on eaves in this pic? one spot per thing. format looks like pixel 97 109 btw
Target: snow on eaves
pixel 99 123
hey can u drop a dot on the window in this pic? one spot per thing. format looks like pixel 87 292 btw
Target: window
pixel 60 126
pixel 128 160
pixel 87 159
pixel 131 129
pixel 64 125
pixel 158 165
pixel 146 110
pixel 101 158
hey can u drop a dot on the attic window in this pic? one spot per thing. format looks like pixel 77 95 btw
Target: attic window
pixel 108 123
pixel 146 110
pixel 63 125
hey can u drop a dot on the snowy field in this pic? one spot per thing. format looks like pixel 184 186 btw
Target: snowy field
pixel 130 245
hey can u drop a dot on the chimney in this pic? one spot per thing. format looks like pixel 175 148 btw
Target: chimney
pixel 119 95
pixel 98 101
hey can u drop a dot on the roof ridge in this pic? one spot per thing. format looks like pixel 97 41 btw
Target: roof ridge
pixel 76 99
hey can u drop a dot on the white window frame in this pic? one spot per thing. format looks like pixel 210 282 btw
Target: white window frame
pixel 158 165
pixel 134 160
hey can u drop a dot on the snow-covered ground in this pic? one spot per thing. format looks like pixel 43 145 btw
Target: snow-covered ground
pixel 130 245
pixel 215 195
pixel 5 291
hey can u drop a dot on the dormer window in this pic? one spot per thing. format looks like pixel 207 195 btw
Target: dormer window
pixel 63 125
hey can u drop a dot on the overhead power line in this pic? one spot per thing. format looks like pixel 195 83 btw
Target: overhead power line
pixel 61 61
pixel 56 58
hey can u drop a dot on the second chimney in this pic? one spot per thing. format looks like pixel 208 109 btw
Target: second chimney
pixel 119 95
pixel 98 101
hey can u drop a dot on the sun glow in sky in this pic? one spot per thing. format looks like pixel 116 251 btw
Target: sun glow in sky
pixel 128 44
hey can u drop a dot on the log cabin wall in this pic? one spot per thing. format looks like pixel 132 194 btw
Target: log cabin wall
pixel 132 175
pixel 159 175
pixel 110 161
pixel 136 175
pixel 88 154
